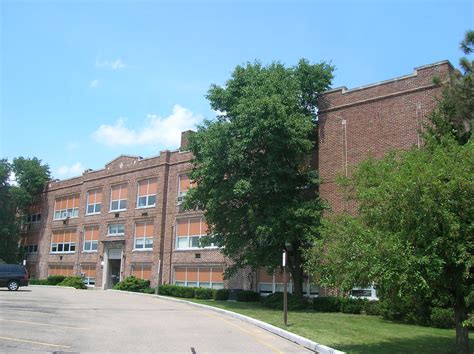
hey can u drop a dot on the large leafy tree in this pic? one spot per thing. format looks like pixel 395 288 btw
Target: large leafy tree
pixel 31 177
pixel 414 233
pixel 252 164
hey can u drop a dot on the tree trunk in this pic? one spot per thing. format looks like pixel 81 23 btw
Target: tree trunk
pixel 462 333
pixel 296 270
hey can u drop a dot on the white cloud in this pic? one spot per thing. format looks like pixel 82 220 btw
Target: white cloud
pixel 93 83
pixel 162 131
pixel 116 64
pixel 66 171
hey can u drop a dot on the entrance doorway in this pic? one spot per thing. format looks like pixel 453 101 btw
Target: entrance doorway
pixel 114 266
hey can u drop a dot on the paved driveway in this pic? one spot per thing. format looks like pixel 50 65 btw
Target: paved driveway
pixel 55 319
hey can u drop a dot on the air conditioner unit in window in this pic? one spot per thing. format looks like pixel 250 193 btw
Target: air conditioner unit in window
pixel 180 199
pixel 64 215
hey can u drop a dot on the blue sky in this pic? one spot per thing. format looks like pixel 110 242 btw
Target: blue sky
pixel 85 81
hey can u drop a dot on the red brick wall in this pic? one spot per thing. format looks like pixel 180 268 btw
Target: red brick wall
pixel 371 121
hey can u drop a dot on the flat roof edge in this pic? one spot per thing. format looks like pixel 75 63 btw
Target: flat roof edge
pixel 345 90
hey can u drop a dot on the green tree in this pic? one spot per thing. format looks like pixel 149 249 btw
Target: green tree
pixel 252 164
pixel 31 178
pixel 454 114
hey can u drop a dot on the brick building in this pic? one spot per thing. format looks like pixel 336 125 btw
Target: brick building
pixel 126 219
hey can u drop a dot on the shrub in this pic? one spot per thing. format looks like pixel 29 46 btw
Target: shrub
pixel 177 291
pixel 327 304
pixel 148 291
pixel 203 293
pixel 75 282
pixel 442 318
pixel 132 283
pixel 352 305
pixel 247 296
pixel 220 294
pixel 38 282
pixel 275 301
pixel 372 308
pixel 55 279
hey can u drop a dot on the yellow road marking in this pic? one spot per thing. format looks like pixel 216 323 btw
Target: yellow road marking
pixel 42 324
pixel 33 342
pixel 248 332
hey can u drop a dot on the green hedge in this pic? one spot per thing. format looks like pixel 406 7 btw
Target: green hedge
pixel 275 301
pixel 38 282
pixel 176 290
pixel 75 282
pixel 352 305
pixel 442 318
pixel 327 304
pixel 248 296
pixel 203 293
pixel 55 279
pixel 220 294
pixel 134 284
pixel 372 308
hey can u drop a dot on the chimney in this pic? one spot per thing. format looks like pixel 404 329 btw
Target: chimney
pixel 185 139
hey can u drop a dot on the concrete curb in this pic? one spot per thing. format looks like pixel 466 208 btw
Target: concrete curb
pixel 305 342
pixel 53 286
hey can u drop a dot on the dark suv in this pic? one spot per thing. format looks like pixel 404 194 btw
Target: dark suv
pixel 13 276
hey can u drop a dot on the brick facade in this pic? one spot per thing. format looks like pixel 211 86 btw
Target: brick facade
pixel 354 124
pixel 371 121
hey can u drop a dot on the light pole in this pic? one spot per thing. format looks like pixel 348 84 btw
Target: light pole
pixel 285 291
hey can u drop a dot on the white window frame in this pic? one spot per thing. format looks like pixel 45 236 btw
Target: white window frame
pixel 62 214
pixel 57 244
pixel 117 233
pixel 95 212
pixel 119 201
pixel 146 196
pixel 212 285
pixel 144 239
pixel 189 239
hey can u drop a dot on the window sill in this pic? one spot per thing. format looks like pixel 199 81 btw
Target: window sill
pixel 142 250
pixel 146 207
pixel 62 252
pixel 89 251
pixel 115 235
pixel 89 214
pixel 116 211
pixel 62 219
pixel 197 249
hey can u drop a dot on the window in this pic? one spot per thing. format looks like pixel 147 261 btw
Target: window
pixel 66 207
pixel 94 201
pixel 63 241
pixel 91 237
pixel 88 274
pixel 143 235
pixel 147 193
pixel 61 269
pixel 189 232
pixel 30 248
pixel 366 293
pixel 203 277
pixel 116 230
pixel 33 218
pixel 118 200
pixel 184 183
pixel 142 270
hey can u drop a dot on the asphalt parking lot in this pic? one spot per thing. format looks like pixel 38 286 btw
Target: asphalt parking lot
pixel 56 319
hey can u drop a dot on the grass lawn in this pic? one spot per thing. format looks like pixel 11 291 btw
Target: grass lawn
pixel 350 333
